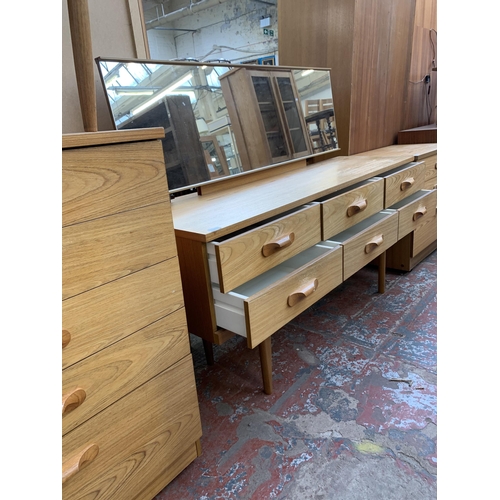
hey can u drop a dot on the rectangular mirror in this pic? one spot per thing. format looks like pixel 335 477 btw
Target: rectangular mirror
pixel 222 119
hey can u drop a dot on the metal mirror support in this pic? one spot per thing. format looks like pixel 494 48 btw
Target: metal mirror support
pixel 222 119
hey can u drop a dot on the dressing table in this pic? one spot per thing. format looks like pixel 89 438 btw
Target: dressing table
pixel 256 254
pixel 258 247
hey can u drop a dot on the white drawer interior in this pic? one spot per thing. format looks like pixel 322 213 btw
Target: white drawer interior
pixel 229 307
pixel 410 199
pixel 398 169
pixel 361 226
pixel 349 188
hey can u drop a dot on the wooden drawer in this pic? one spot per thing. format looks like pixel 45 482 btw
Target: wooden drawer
pixel 367 240
pixel 424 235
pixel 415 210
pixel 99 380
pixel 403 181
pixel 261 306
pixel 108 248
pixel 430 172
pixel 350 206
pixel 104 180
pixel 162 421
pixel 106 314
pixel 236 260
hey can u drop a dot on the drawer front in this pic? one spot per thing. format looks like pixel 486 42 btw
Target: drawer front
pixel 417 212
pixel 347 209
pixel 361 248
pixel 403 182
pixel 138 439
pixel 99 380
pixel 430 172
pixel 275 306
pixel 104 180
pixel 248 255
pixel 263 305
pixel 105 249
pixel 104 315
pixel 424 235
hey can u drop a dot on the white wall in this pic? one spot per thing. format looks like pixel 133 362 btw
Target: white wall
pixel 230 30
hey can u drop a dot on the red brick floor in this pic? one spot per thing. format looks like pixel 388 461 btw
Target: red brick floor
pixel 353 412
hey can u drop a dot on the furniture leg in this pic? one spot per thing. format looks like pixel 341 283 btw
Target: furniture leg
pixel 381 272
pixel 266 365
pixel 209 352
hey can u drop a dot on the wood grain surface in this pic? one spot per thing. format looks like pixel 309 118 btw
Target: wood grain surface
pixel 96 181
pixel 103 250
pixel 161 418
pixel 240 259
pixel 122 367
pixel 108 313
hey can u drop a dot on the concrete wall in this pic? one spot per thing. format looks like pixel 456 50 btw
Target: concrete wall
pixel 228 30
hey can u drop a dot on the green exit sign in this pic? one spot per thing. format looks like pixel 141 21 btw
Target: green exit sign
pixel 268 32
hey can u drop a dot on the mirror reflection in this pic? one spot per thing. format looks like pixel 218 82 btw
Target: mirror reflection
pixel 222 119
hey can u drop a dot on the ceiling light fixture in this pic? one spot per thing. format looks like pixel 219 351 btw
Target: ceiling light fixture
pixel 132 90
pixel 162 94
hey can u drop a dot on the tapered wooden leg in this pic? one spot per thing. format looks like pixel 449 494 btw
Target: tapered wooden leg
pixel 381 272
pixel 209 352
pixel 266 365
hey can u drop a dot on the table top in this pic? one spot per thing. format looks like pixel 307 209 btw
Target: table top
pixel 208 217
pixel 324 113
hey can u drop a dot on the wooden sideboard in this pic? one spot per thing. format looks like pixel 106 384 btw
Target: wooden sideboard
pixel 259 251
pixel 130 417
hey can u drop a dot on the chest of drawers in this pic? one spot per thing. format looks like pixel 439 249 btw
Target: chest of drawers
pixel 422 240
pixel 130 417
pixel 255 255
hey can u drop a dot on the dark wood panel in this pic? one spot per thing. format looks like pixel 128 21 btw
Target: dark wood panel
pixel 328 45
pixel 380 67
pixel 367 46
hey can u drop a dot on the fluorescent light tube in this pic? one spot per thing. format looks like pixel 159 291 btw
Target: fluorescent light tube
pixel 162 94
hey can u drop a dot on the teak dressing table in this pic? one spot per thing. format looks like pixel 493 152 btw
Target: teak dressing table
pixel 257 250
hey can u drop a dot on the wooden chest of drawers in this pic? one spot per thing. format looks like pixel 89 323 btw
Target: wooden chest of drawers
pixel 130 417
pixel 422 239
pixel 253 256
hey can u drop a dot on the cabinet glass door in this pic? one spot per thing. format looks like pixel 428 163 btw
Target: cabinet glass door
pixel 270 117
pixel 292 115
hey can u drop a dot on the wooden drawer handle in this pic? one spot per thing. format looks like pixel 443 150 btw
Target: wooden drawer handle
pixel 421 211
pixel 274 246
pixel 373 244
pixel 76 463
pixel 73 400
pixel 407 183
pixel 304 292
pixel 66 337
pixel 356 207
